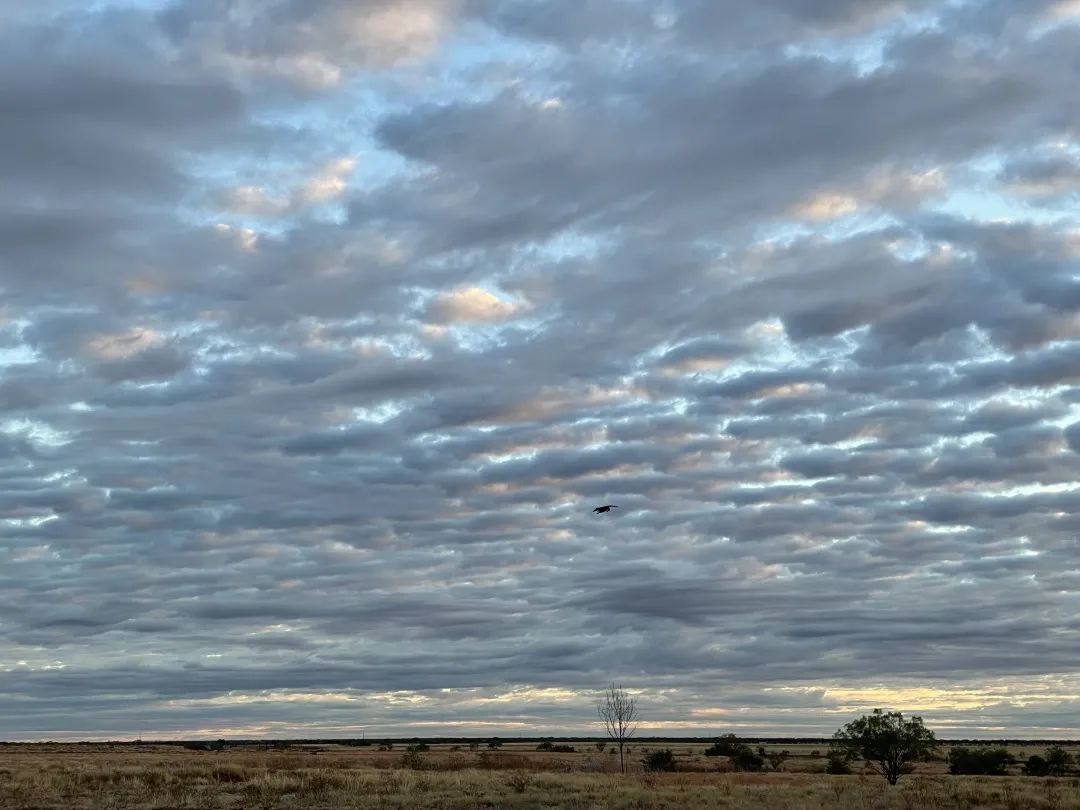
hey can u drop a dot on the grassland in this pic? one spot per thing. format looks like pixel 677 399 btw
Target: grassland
pixel 515 777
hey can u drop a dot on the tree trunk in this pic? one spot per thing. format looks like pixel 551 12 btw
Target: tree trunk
pixel 622 761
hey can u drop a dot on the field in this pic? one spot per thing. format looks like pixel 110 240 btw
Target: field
pixel 516 777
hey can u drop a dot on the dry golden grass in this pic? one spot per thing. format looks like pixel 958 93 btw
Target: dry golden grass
pixel 120 778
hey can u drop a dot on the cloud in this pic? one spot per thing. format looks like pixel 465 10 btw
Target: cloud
pixel 1042 176
pixel 325 325
pixel 312 45
pixel 471 304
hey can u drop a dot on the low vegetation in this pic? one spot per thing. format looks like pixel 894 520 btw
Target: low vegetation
pixel 675 776
pixel 985 761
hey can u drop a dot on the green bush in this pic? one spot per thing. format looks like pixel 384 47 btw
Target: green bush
pixel 747 759
pixel 657 761
pixel 1057 760
pixel 775 758
pixel 1055 763
pixel 1036 766
pixel 980 761
pixel 837 763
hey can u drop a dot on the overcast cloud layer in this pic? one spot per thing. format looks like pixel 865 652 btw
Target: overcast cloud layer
pixel 325 324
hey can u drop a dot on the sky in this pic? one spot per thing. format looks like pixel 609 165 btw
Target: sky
pixel 325 324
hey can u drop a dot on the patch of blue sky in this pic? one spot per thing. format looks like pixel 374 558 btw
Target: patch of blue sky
pixel 36 431
pixel 572 244
pixel 984 198
pixel 477 338
pixel 20 355
pixel 215 349
pixel 846 227
pixel 986 205
pixel 987 349
pixel 379 414
pixel 1071 417
pixel 403 346
pixel 781 233
pixel 1036 489
pixel 478 63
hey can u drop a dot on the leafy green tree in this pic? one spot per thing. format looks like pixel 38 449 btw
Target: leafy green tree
pixel 886 742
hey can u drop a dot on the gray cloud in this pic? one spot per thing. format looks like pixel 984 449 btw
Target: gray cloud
pixel 324 328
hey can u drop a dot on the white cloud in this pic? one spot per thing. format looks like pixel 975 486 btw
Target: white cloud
pixel 329 182
pixel 471 305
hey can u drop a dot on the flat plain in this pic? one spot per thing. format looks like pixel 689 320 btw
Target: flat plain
pixel 516 777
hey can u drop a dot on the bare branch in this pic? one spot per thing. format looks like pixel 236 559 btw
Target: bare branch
pixel 618 711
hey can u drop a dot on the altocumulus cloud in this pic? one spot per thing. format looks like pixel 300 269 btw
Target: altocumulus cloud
pixel 324 326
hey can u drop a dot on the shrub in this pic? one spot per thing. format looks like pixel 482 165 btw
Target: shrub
pixel 412 760
pixel 418 748
pixel 747 759
pixel 659 761
pixel 545 746
pixel 984 761
pixel 775 758
pixel 495 743
pixel 519 781
pixel 837 763
pixel 1036 766
pixel 1057 761
pixel 600 746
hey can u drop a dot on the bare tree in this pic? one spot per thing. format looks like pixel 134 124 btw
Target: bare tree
pixel 619 713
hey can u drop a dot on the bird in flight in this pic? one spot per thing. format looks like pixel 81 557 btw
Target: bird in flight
pixel 606 508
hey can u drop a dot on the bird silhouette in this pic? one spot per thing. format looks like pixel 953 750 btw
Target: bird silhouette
pixel 606 508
